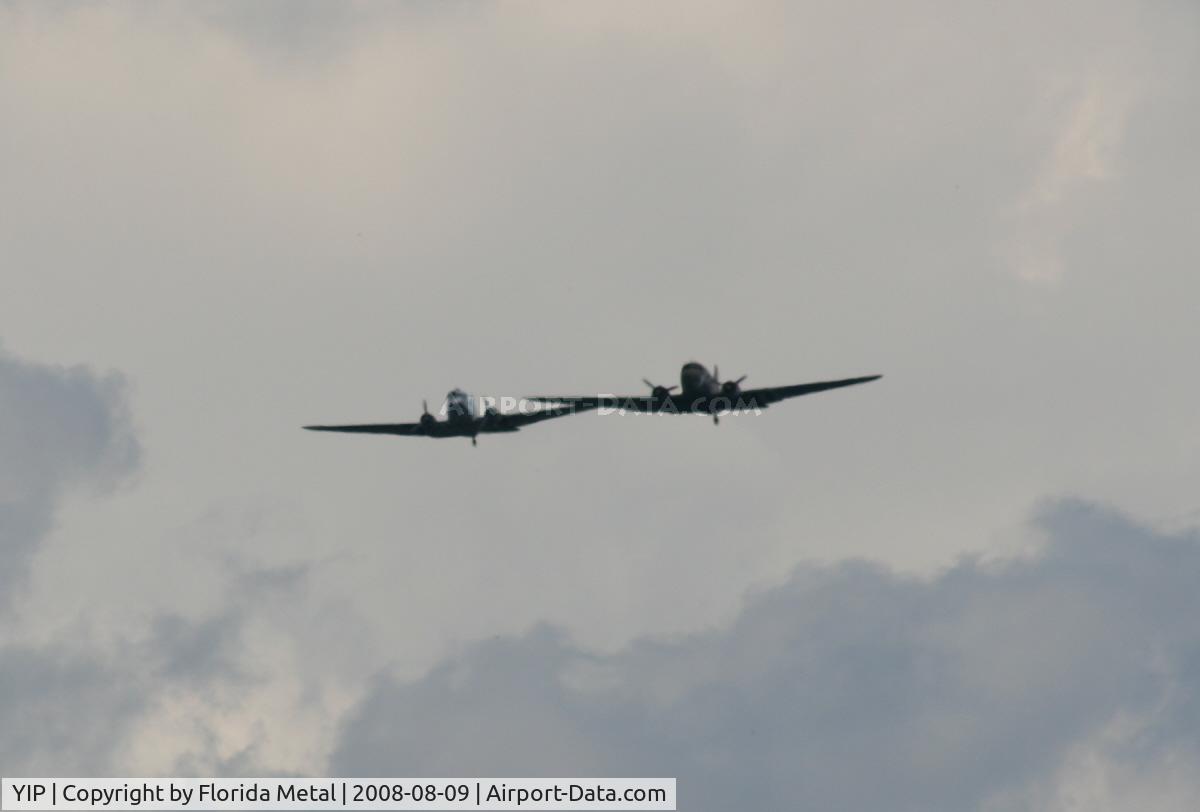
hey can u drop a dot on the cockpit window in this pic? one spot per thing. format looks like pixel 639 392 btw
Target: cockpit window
pixel 458 402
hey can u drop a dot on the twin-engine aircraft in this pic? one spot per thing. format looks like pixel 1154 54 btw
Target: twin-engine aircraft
pixel 461 420
pixel 701 392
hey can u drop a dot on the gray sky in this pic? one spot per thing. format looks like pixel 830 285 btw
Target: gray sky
pixel 220 224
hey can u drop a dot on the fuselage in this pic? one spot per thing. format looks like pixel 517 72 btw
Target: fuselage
pixel 459 407
pixel 696 381
pixel 462 419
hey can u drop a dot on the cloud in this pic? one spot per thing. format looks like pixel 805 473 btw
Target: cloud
pixel 1085 147
pixel 171 689
pixel 74 700
pixel 1014 685
pixel 60 429
pixel 78 704
pixel 176 694
pixel 62 710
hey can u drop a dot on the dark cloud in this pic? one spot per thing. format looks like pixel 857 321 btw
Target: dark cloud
pixel 71 706
pixel 60 428
pixel 294 32
pixel 196 651
pixel 62 710
pixel 849 687
pixel 75 705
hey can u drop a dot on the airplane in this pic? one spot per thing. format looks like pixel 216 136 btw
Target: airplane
pixel 701 392
pixel 461 420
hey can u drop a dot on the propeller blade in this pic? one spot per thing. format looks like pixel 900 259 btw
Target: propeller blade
pixel 424 406
pixel 656 386
pixel 738 382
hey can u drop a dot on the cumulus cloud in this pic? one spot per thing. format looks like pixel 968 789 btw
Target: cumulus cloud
pixel 1018 685
pixel 177 694
pixel 80 704
pixel 60 428
pixel 174 690
pixel 62 710
pixel 70 703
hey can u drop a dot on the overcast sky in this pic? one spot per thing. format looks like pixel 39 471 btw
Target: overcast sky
pixel 967 586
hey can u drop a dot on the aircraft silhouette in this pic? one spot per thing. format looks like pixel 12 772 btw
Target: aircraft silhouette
pixel 461 420
pixel 701 392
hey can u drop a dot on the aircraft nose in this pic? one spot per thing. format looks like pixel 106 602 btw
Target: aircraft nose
pixel 692 373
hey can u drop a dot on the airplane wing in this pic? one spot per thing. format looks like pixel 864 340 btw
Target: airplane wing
pixel 511 422
pixel 750 398
pixel 404 429
pixel 747 399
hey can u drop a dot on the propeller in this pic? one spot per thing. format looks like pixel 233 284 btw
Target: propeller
pixel 426 418
pixel 730 390
pixel 658 391
pixel 717 376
